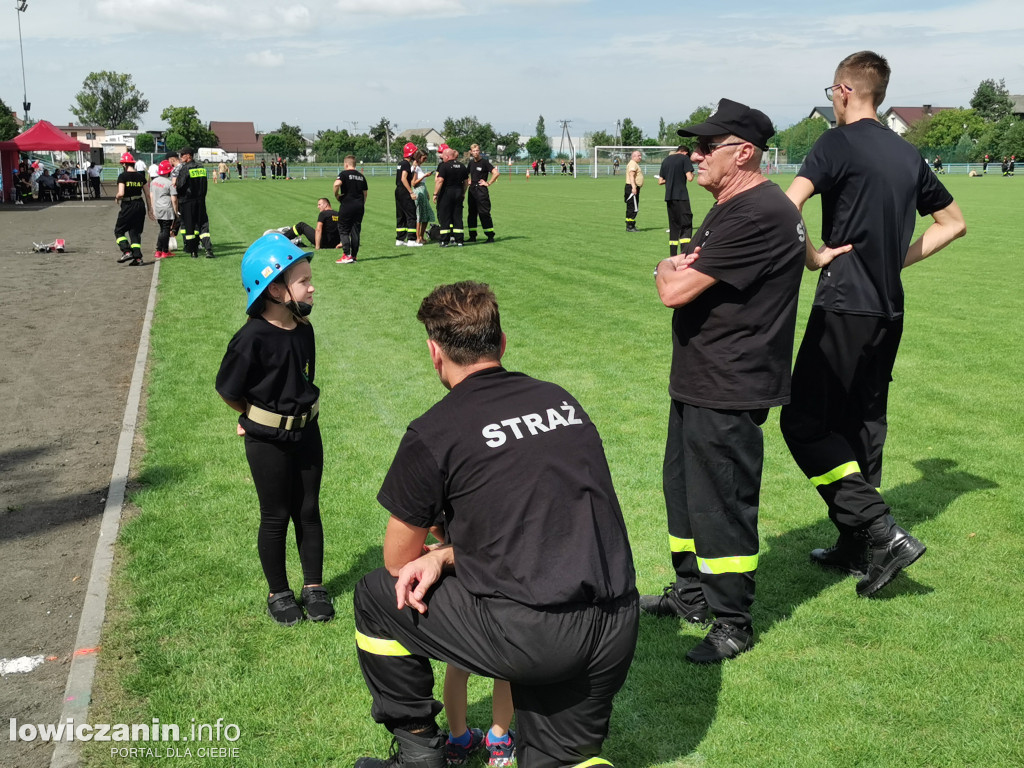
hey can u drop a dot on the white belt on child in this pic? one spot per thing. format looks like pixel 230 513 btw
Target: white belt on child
pixel 277 421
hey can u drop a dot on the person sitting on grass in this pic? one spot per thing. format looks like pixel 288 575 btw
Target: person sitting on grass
pixel 267 376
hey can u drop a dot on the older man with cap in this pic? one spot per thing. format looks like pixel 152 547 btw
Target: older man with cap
pixel 734 292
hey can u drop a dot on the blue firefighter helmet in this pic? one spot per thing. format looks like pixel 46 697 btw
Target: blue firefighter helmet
pixel 264 260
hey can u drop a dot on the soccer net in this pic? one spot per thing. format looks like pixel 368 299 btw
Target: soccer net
pixel 650 162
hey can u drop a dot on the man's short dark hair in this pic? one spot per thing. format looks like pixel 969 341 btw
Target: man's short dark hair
pixel 683 148
pixel 324 200
pixel 867 70
pixel 463 319
pixel 171 154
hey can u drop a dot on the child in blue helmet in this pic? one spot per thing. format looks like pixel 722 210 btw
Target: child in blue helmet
pixel 267 376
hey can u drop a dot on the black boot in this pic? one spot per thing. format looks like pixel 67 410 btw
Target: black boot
pixel 671 603
pixel 411 750
pixel 891 549
pixel 724 641
pixel 849 554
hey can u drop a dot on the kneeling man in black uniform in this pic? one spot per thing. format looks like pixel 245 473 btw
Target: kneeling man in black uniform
pixel 537 585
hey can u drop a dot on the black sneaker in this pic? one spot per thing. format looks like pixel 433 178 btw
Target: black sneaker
pixel 724 641
pixel 849 554
pixel 889 555
pixel 136 262
pixel 126 256
pixel 457 754
pixel 283 609
pixel 209 255
pixel 670 603
pixel 317 603
pixel 410 750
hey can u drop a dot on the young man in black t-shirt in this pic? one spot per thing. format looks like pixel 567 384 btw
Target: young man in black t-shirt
pixel 871 183
pixel 482 176
pixel 449 194
pixel 734 292
pixel 326 233
pixel 536 586
pixel 351 189
pixel 676 170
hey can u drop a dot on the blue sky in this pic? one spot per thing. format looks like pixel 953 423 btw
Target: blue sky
pixel 346 63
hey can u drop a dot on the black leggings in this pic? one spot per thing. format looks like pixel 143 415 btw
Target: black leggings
pixel 287 478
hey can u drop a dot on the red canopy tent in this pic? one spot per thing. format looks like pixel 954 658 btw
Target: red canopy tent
pixel 41 137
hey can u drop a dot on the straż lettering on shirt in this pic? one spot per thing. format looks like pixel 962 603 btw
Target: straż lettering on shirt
pixel 530 424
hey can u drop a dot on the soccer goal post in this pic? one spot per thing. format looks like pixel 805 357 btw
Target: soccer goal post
pixel 605 159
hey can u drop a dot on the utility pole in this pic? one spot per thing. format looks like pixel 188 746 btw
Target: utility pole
pixel 21 6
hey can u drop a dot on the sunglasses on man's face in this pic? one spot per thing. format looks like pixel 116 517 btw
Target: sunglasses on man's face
pixel 706 147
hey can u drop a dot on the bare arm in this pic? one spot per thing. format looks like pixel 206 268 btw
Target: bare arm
pixel 120 191
pixel 319 232
pixel 800 192
pixel 677 284
pixel 403 543
pixel 947 225
pixel 689 175
pixel 494 177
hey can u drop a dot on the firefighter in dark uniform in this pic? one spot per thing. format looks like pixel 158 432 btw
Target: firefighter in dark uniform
pixel 482 176
pixel 405 199
pixel 190 188
pixel 449 194
pixel 537 584
pixel 676 170
pixel 133 195
pixel 351 189
pixel 734 292
pixel 872 183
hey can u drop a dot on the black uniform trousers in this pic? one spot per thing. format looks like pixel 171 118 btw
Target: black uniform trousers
pixel 163 237
pixel 480 205
pixel 632 206
pixel 405 215
pixel 287 477
pixel 302 229
pixel 680 225
pixel 835 424
pixel 195 224
pixel 564 664
pixel 350 226
pixel 712 484
pixel 449 214
pixel 128 229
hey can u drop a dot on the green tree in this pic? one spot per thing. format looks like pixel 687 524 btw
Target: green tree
pixel 286 142
pixel 109 99
pixel 663 136
pixel 538 148
pixel 145 142
pixel 184 121
pixel 631 134
pixel 175 141
pixel 601 139
pixel 797 140
pixel 540 133
pixel 8 126
pixel 332 146
pixel 460 134
pixel 383 132
pixel 507 144
pixel 944 129
pixel 700 114
pixel 991 100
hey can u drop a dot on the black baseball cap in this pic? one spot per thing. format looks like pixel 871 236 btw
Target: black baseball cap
pixel 187 151
pixel 731 117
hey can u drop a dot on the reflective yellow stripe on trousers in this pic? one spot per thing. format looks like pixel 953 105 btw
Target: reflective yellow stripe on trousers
pixel 380 647
pixel 849 468
pixel 592 761
pixel 732 564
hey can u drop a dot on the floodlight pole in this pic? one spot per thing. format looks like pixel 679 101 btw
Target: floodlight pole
pixel 20 7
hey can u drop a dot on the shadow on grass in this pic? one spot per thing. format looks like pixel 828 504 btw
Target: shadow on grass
pixel 786 578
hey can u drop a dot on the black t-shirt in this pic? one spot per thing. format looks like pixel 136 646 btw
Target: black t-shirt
pixel 404 167
pixel 479 170
pixel 353 184
pixel 454 174
pixel 191 182
pixel 329 235
pixel 273 369
pixel 733 344
pixel 518 470
pixel 871 183
pixel 133 182
pixel 673 170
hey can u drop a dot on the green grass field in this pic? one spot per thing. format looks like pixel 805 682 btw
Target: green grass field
pixel 927 674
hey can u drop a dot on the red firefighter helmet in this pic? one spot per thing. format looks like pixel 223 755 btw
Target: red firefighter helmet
pixel 127 158
pixel 164 169
pixel 408 150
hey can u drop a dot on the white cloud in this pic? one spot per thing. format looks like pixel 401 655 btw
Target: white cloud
pixel 265 58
